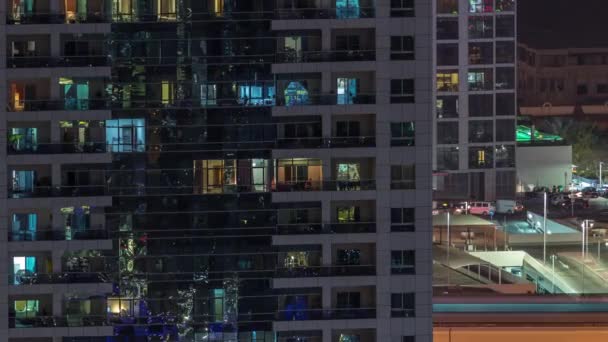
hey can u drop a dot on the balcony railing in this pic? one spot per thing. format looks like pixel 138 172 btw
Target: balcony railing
pixel 325 13
pixel 59 278
pixel 325 99
pixel 330 185
pixel 58 321
pixel 59 104
pixel 325 314
pixel 325 56
pixel 333 142
pixel 57 18
pixel 60 234
pixel 326 271
pixel 330 228
pixel 58 148
pixel 50 62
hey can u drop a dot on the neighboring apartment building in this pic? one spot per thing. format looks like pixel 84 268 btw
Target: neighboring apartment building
pixel 474 136
pixel 557 79
pixel 221 170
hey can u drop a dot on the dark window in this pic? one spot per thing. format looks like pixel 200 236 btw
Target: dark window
pixel 402 219
pixel 402 91
pixel 481 105
pixel 348 300
pixel 447 158
pixel 447 132
pixel 505 52
pixel 602 88
pixel 402 47
pixel 403 177
pixel 505 130
pixel 409 338
pixel 447 107
pixel 348 129
pixel 505 5
pixel 447 6
pixel 481 27
pixel 349 257
pixel 505 78
pixel 505 104
pixel 447 28
pixel 504 155
pixel 581 89
pixel 481 53
pixel 350 42
pixel 403 133
pixel 505 26
pixel 447 54
pixel 481 131
pixel 403 262
pixel 481 157
pixel 402 8
pixel 403 304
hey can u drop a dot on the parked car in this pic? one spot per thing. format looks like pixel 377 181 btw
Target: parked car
pixel 579 203
pixel 588 192
pixel 559 199
pixel 481 208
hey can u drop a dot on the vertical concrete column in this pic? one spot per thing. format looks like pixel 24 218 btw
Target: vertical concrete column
pixel 56 259
pixel 326 125
pixel 57 304
pixel 56 174
pixel 55 44
pixel 326 39
pixel 326 299
pixel 326 83
pixel 55 132
pixel 54 88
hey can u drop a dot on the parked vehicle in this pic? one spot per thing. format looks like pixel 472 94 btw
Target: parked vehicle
pixel 507 206
pixel 579 203
pixel 559 199
pixel 481 208
pixel 588 192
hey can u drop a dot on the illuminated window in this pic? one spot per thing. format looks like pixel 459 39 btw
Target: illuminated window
pixel 447 81
pixel 218 7
pixel 167 91
pixel 166 9
pixel 24 268
pixel 481 157
pixel 348 214
pixel 24 227
pixel 27 308
pixel 126 135
pixel 481 6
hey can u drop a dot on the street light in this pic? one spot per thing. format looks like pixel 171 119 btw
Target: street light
pixel 601 163
pixel 553 257
pixel 545 229
pixel 586 225
pixel 449 242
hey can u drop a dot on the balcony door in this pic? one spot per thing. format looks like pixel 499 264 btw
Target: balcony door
pixel 24 227
pixel 346 90
pixel 347 9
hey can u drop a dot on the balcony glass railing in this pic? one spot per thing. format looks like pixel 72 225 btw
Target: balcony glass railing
pixel 330 228
pixel 57 148
pixel 59 278
pixel 318 142
pixel 58 321
pixel 50 62
pixel 326 271
pixel 324 13
pixel 57 18
pixel 324 314
pixel 60 234
pixel 325 99
pixel 325 56
pixel 329 185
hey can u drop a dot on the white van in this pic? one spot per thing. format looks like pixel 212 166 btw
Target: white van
pixel 481 208
pixel 506 206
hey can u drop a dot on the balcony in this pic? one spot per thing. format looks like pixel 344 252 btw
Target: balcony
pixel 308 9
pixel 60 148
pixel 326 271
pixel 325 314
pixel 325 56
pixel 95 233
pixel 58 321
pixel 24 278
pixel 331 228
pixel 57 62
pixel 325 185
